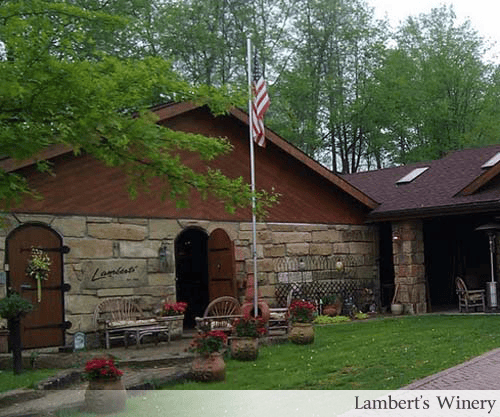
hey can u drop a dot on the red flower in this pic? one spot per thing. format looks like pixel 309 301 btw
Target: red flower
pixel 301 311
pixel 174 309
pixel 102 368
pixel 249 326
pixel 208 342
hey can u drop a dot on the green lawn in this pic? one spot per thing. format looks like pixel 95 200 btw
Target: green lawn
pixel 376 354
pixel 379 354
pixel 27 379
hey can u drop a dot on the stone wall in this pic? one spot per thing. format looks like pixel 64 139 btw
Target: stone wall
pixel 120 257
pixel 409 267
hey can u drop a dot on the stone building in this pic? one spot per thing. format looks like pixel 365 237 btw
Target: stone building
pixel 428 218
pixel 103 244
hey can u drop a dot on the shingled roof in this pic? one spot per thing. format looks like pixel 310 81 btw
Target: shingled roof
pixel 455 184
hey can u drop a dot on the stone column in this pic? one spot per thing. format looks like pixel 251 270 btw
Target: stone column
pixel 409 268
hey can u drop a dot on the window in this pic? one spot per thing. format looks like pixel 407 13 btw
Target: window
pixel 412 175
pixel 491 161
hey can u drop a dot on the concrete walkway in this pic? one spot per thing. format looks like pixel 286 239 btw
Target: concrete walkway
pixel 144 368
pixel 152 366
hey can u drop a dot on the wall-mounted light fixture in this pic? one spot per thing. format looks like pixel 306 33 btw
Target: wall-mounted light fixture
pixel 163 256
pixel 396 236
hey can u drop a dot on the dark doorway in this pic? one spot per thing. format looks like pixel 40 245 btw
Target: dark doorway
pixel 44 326
pixel 191 266
pixel 386 264
pixel 453 248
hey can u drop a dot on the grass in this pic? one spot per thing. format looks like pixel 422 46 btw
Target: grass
pixel 27 379
pixel 379 354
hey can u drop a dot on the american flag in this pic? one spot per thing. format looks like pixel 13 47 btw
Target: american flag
pixel 260 104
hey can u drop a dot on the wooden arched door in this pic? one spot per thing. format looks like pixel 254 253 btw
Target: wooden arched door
pixel 221 265
pixel 44 326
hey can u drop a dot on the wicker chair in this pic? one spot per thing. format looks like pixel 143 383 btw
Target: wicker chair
pixel 469 299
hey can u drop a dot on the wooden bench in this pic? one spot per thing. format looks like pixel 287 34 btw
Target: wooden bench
pixel 122 318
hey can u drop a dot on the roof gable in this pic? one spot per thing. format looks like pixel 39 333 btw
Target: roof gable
pixel 311 193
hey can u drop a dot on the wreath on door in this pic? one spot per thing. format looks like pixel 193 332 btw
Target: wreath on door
pixel 38 268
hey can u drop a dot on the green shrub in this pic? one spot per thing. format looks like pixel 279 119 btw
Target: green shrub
pixel 330 320
pixel 360 316
pixel 14 306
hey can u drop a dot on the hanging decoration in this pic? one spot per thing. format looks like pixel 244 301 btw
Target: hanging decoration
pixel 38 269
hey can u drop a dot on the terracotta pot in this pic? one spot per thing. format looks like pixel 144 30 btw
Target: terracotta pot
pixel 301 333
pixel 105 396
pixel 245 348
pixel 209 367
pixel 331 310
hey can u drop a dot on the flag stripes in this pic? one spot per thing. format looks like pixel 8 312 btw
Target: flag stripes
pixel 260 104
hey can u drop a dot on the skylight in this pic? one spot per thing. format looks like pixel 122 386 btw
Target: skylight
pixel 491 161
pixel 412 175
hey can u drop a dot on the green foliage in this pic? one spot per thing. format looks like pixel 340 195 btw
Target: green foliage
pixel 331 320
pixel 14 306
pixel 60 86
pixel 430 95
pixel 28 379
pixel 360 315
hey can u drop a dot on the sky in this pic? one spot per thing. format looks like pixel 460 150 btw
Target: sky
pixel 483 14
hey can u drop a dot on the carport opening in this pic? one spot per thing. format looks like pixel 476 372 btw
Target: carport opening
pixel 453 248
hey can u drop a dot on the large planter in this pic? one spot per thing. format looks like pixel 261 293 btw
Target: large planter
pixel 4 340
pixel 245 348
pixel 105 396
pixel 209 367
pixel 176 325
pixel 397 309
pixel 301 333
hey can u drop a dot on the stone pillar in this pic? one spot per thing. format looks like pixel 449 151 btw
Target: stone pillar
pixel 409 268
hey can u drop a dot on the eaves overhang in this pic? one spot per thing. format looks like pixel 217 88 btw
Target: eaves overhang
pixel 437 211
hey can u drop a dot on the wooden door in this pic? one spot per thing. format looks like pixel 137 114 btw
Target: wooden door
pixel 44 326
pixel 221 265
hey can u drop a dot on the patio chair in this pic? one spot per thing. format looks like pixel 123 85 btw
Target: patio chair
pixel 220 314
pixel 469 298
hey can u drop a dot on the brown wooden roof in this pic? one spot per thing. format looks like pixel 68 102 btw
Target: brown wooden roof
pixel 455 184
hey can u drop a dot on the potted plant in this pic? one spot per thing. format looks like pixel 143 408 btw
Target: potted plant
pixel 174 312
pixel 174 309
pixel 208 364
pixel 105 393
pixel 332 305
pixel 301 314
pixel 13 307
pixel 246 331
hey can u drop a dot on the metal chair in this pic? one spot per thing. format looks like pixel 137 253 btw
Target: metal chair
pixel 469 298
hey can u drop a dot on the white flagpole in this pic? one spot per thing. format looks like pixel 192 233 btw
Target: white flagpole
pixel 252 172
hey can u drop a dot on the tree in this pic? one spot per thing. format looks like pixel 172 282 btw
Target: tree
pixel 323 93
pixel 433 90
pixel 58 87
